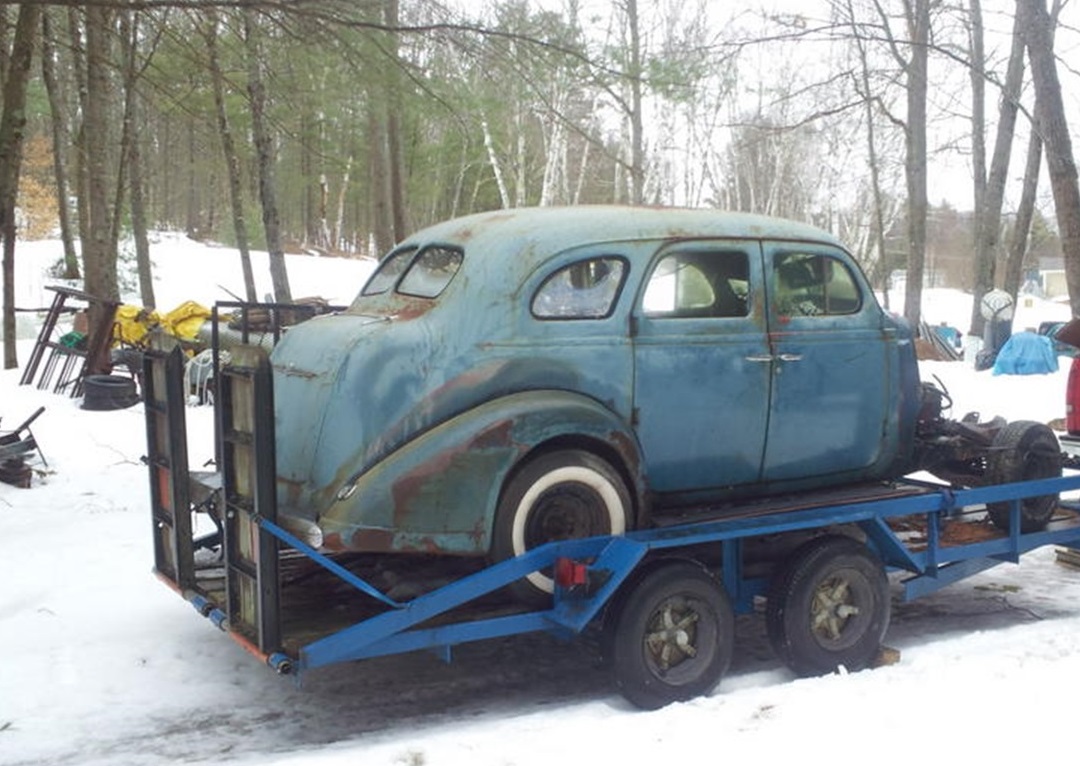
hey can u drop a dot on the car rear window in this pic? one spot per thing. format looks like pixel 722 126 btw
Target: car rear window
pixel 423 275
pixel 389 271
pixel 431 272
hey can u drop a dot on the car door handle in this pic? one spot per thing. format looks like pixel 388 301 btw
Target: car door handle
pixel 790 357
pixel 760 358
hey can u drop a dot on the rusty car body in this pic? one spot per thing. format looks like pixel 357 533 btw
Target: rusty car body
pixel 524 375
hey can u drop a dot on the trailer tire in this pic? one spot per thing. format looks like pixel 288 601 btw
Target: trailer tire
pixel 828 607
pixel 1022 451
pixel 672 635
pixel 561 495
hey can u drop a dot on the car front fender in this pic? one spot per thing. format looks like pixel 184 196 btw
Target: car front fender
pixel 438 493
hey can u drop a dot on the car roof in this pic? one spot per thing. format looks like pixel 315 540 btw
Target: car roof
pixel 550 230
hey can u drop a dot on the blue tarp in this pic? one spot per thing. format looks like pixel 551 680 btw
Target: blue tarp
pixel 1026 353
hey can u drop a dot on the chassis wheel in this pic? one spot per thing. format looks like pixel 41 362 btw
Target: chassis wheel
pixel 557 496
pixel 671 637
pixel 828 606
pixel 1022 451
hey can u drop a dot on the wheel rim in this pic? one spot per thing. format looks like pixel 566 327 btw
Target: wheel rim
pixel 568 502
pixel 839 613
pixel 677 639
pixel 564 512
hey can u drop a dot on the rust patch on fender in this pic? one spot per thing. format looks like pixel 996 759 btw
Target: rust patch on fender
pixel 413 493
pixel 365 540
pixel 494 437
pixel 411 308
pixel 374 540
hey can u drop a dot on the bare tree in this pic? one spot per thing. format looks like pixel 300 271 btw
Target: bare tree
pixel 866 92
pixel 232 158
pixel 131 158
pixel 916 69
pixel 984 261
pixel 634 103
pixel 265 160
pixel 99 258
pixel 988 204
pixel 12 127
pixel 60 136
pixel 1025 213
pixel 1037 26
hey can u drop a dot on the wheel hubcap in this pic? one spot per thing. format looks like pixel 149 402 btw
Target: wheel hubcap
pixel 832 607
pixel 672 635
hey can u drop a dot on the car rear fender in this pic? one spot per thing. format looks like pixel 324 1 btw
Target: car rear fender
pixel 438 493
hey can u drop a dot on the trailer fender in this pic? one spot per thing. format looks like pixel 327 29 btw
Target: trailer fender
pixel 438 493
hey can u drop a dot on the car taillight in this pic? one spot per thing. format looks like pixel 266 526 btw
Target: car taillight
pixel 1072 399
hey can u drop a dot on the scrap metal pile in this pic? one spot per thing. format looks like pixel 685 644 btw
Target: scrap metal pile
pixel 16 448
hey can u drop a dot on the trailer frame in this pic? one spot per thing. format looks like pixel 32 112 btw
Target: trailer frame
pixel 244 595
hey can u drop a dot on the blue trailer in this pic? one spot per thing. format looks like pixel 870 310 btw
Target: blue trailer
pixel 663 598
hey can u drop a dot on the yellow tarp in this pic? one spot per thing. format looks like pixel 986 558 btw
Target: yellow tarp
pixel 185 320
pixel 134 322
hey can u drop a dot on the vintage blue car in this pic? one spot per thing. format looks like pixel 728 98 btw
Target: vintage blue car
pixel 520 376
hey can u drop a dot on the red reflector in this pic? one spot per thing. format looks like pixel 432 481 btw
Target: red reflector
pixel 569 573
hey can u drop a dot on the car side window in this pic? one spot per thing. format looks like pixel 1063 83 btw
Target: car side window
pixel 810 284
pixel 431 272
pixel 699 284
pixel 583 290
pixel 386 276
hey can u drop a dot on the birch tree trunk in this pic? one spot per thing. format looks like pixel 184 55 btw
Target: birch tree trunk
pixel 337 236
pixel 637 138
pixel 493 159
pixel 984 260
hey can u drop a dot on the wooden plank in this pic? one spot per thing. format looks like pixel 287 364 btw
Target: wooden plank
pixel 1069 557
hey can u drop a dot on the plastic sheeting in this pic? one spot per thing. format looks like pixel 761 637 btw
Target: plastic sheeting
pixel 133 323
pixel 1026 353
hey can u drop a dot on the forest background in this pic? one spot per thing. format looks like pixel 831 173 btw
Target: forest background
pixel 918 131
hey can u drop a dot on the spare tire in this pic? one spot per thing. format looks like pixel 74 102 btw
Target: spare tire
pixel 108 392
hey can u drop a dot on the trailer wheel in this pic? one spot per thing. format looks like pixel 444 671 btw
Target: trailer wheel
pixel 560 495
pixel 671 637
pixel 1022 451
pixel 828 606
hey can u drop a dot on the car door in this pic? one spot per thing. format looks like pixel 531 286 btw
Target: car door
pixel 701 366
pixel 831 367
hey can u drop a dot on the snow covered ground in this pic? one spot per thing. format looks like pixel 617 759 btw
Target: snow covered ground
pixel 101 664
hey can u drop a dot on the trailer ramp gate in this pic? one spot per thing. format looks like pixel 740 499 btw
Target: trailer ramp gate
pixel 255 592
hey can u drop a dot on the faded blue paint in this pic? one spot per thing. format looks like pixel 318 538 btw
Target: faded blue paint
pixel 417 409
pixel 438 492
